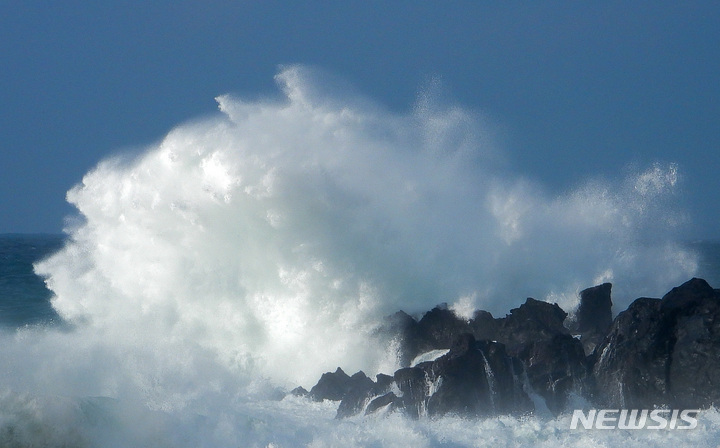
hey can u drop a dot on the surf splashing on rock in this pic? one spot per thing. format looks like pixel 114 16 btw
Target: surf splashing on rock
pixel 270 239
pixel 261 247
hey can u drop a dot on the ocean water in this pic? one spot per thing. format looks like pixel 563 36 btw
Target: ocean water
pixel 24 299
pixel 29 418
pixel 247 253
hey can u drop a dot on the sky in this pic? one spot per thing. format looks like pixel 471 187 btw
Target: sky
pixel 577 89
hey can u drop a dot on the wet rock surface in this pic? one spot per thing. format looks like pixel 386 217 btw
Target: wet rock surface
pixel 663 351
pixel 594 316
pixel 658 352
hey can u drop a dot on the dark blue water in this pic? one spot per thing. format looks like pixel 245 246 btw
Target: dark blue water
pixel 24 299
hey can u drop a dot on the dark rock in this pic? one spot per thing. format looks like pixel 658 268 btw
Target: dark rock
pixel 438 328
pixel 658 352
pixel 663 352
pixel 299 392
pixel 380 402
pixel 694 373
pixel 465 384
pixel 555 367
pixel 594 316
pixel 359 391
pixel 595 310
pixel 383 382
pixel 476 378
pixel 531 322
pixel 412 383
pixel 631 363
pixel 463 344
pixel 332 386
pixel 483 326
pixel 688 295
pixel 401 329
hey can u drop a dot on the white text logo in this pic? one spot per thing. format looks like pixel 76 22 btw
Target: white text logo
pixel 635 419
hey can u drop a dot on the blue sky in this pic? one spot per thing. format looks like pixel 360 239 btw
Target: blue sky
pixel 579 89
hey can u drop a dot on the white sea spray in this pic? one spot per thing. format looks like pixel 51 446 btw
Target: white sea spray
pixel 250 252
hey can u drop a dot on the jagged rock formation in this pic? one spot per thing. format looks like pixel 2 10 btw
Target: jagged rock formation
pixel 555 367
pixel 532 322
pixel 332 386
pixel 663 351
pixel 594 316
pixel 476 378
pixel 657 352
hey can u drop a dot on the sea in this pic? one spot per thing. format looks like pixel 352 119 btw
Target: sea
pixel 32 417
pixel 205 276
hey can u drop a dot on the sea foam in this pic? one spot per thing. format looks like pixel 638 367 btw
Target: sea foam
pixel 258 248
pixel 276 234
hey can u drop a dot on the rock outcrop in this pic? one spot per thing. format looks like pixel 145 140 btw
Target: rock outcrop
pixel 555 367
pixel 663 351
pixel 658 352
pixel 533 321
pixel 332 386
pixel 594 316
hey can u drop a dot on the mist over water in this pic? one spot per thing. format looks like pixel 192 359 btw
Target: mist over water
pixel 261 247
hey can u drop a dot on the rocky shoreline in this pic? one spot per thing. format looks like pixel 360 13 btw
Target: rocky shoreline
pixel 657 353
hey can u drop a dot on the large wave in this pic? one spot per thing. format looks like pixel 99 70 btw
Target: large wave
pixel 260 247
pixel 270 239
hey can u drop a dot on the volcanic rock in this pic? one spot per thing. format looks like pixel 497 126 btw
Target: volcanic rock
pixel 687 297
pixel 483 326
pixel 402 329
pixel 632 361
pixel 594 316
pixel 380 402
pixel 383 382
pixel 663 352
pixel 555 367
pixel 299 392
pixel 413 386
pixel 694 374
pixel 476 378
pixel 359 391
pixel 332 386
pixel 438 329
pixel 658 352
pixel 532 321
